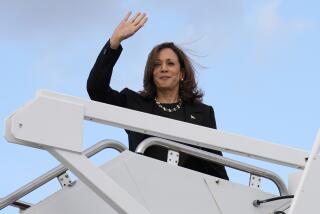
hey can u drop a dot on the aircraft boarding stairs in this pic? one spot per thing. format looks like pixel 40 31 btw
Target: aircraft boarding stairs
pixel 133 183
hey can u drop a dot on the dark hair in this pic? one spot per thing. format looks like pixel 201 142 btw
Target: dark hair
pixel 188 89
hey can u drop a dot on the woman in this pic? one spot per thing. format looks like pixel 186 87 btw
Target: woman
pixel 170 90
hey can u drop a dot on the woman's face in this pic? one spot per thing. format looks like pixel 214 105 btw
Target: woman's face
pixel 167 72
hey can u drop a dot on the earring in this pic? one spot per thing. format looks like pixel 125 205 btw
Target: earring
pixel 181 79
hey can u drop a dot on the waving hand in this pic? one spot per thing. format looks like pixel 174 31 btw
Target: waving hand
pixel 127 27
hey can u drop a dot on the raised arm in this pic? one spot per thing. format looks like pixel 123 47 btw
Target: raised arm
pixel 98 84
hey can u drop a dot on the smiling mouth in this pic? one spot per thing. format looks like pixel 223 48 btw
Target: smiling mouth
pixel 164 78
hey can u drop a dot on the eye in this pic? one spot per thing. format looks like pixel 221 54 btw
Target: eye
pixel 170 63
pixel 156 64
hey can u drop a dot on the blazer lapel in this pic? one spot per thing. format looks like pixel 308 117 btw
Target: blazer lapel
pixel 193 114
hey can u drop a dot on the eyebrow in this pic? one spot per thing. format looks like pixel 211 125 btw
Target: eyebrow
pixel 159 60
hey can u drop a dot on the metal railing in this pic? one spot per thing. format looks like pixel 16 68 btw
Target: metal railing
pixel 214 158
pixel 13 198
pixel 20 204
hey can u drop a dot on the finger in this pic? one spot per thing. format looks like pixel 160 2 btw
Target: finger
pixel 141 24
pixel 134 17
pixel 143 21
pixel 127 16
pixel 139 18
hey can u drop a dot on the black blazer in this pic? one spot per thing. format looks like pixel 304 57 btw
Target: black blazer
pixel 98 87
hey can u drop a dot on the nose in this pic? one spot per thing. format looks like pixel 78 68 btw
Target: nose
pixel 164 68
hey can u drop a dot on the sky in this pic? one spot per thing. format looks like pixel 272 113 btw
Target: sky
pixel 257 62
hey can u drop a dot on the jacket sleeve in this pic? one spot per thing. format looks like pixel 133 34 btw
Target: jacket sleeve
pixel 98 83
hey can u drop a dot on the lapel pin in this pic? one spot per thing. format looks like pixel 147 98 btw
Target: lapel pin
pixel 192 117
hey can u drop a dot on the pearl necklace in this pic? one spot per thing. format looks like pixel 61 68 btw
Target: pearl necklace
pixel 177 107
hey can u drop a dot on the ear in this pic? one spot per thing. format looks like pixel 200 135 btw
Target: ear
pixel 182 77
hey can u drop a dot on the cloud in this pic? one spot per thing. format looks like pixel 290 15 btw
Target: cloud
pixel 271 22
pixel 300 25
pixel 268 19
pixel 57 34
pixel 274 29
pixel 207 23
pixel 40 19
pixel 61 34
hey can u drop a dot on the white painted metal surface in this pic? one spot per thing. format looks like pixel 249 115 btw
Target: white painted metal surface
pixel 255 181
pixel 54 122
pixel 161 188
pixel 99 182
pixel 308 191
pixel 56 125
pixel 64 180
pixel 47 121
pixel 293 181
pixel 173 157
pixel 205 137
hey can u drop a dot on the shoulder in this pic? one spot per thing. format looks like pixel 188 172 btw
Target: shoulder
pixel 134 99
pixel 201 107
pixel 203 112
pixel 131 94
pixel 207 111
pixel 128 91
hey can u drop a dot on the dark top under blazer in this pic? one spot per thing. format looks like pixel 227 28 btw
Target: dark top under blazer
pixel 98 86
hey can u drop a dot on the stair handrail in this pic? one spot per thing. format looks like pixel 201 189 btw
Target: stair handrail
pixel 57 171
pixel 152 141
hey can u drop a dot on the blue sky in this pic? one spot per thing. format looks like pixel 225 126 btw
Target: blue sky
pixel 261 62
